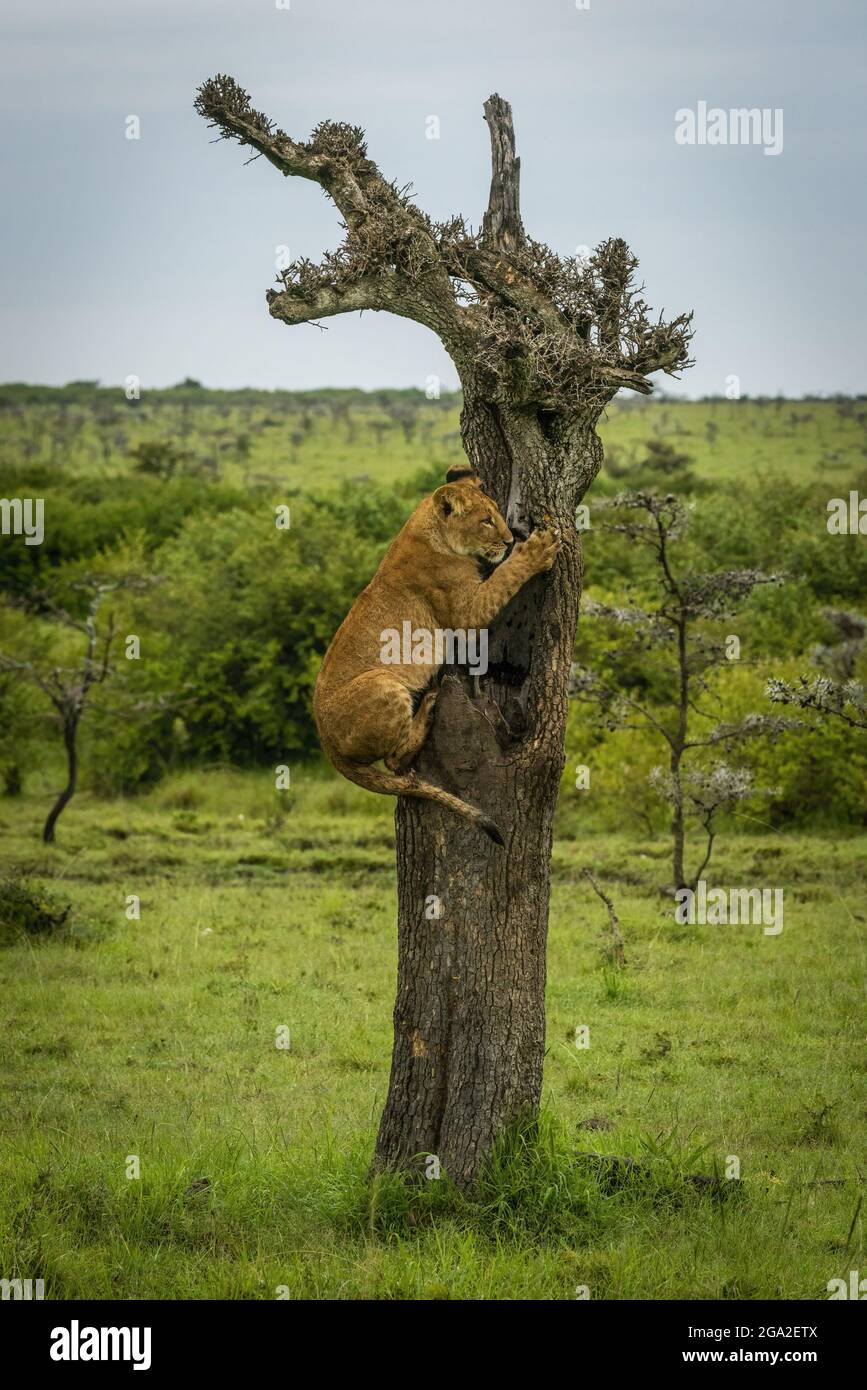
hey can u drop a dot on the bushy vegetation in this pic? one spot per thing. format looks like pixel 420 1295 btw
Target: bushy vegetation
pixel 183 488
pixel 29 910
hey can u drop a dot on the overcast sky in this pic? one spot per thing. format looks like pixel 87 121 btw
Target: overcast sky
pixel 153 256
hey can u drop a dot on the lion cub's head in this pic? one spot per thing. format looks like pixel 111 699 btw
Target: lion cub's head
pixel 470 522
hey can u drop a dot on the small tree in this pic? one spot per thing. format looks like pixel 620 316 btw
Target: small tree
pixel 160 458
pixel 665 465
pixel 704 793
pixel 69 688
pixel 658 672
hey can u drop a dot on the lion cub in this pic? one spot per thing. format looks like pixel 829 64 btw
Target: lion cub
pixel 429 579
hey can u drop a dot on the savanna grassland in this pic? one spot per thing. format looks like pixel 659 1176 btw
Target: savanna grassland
pixel 234 1036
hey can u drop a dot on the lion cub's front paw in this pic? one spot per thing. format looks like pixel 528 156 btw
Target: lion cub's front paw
pixel 540 548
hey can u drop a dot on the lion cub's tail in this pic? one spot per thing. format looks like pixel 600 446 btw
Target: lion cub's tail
pixel 374 780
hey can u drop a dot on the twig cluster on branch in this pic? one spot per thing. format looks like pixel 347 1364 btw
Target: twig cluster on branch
pixel 532 328
pixel 846 700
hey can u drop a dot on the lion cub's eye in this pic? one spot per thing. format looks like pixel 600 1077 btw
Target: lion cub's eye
pixel 487 521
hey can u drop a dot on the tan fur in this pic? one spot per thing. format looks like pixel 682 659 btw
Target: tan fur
pixel 430 577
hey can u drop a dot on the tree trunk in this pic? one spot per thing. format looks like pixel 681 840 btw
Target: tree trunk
pixel 469 1020
pixel 678 832
pixel 70 731
pixel 678 829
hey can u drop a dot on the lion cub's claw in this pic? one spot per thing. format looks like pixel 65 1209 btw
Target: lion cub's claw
pixel 541 547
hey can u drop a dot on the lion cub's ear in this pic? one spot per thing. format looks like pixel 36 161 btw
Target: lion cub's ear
pixel 462 473
pixel 450 500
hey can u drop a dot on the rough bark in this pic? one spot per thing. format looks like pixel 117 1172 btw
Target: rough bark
pixel 469 1019
pixel 502 224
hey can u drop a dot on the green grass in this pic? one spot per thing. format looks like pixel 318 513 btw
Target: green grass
pixel 741 440
pixel 299 440
pixel 157 1038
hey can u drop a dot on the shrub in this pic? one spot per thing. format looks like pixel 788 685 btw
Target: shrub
pixel 27 910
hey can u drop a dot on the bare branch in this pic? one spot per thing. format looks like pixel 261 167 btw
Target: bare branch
pixel 292 305
pixel 389 259
pixel 335 157
pixel 844 700
pixel 768 726
pixel 502 228
pixel 617 942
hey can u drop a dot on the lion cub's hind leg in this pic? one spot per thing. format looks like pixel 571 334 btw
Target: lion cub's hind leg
pixel 368 717
pixel 410 745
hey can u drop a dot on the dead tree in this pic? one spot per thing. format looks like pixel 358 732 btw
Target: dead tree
pixel 541 344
